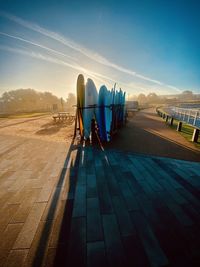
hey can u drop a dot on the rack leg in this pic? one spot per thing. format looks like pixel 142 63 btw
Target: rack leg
pixel 75 126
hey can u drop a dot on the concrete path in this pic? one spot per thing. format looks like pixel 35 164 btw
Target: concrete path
pixel 147 133
pixel 58 200
pixel 29 174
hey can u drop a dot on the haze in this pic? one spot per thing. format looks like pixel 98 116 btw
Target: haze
pixel 144 46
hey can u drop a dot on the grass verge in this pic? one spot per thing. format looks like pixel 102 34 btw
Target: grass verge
pixel 21 116
pixel 186 132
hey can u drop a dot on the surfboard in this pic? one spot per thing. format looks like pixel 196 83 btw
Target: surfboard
pixel 105 113
pixel 116 110
pixel 91 100
pixel 80 102
pixel 101 113
pixel 120 107
pixel 124 108
pixel 113 91
pixel 108 114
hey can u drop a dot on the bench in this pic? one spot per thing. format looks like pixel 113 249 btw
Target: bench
pixel 61 116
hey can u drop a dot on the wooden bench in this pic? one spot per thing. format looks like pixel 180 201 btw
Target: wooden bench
pixel 61 116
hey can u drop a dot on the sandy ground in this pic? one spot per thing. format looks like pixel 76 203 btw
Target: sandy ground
pixel 43 128
pixel 147 133
pixel 144 133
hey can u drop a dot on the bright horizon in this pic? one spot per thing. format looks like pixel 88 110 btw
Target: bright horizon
pixel 143 47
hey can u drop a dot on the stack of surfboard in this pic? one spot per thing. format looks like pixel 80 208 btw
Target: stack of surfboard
pixel 107 108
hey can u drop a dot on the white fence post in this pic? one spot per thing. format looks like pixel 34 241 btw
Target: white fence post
pixel 189 116
pixel 195 118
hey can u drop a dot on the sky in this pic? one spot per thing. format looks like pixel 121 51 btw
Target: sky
pixel 143 46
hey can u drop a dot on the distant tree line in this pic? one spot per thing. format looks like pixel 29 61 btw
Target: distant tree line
pixel 153 98
pixel 30 100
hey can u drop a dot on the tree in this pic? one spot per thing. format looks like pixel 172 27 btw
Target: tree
pixel 142 99
pixel 186 95
pixel 71 100
pixel 28 100
pixel 152 98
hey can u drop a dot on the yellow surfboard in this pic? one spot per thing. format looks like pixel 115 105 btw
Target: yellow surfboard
pixel 80 102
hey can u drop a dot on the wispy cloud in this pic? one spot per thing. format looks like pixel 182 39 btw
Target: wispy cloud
pixel 36 44
pixel 51 59
pixel 38 56
pixel 81 49
pixel 98 76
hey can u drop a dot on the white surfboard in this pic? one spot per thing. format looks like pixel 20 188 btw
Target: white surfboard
pixel 91 100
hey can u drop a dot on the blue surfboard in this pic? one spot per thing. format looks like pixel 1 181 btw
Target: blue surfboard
pixel 108 114
pixel 101 120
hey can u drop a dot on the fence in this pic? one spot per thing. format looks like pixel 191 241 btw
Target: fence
pixel 186 115
pixel 189 116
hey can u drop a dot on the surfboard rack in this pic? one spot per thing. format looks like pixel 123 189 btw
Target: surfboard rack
pixel 116 123
pixel 110 118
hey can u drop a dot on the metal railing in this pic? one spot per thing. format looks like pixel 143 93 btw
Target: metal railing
pixel 189 116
